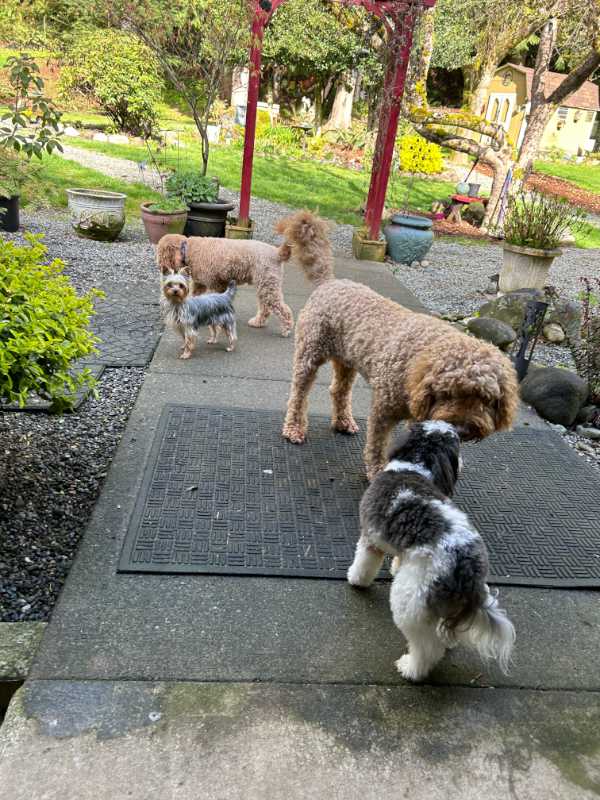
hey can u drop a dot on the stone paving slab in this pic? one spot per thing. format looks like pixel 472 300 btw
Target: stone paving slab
pixel 151 741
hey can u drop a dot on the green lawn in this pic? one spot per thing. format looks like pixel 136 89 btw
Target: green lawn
pixel 582 175
pixel 47 188
pixel 336 192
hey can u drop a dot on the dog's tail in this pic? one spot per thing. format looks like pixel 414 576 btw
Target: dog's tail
pixel 491 632
pixel 306 238
pixel 230 291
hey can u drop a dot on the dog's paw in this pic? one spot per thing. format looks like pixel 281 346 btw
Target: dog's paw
pixel 185 355
pixel 285 333
pixel 293 434
pixel 345 425
pixel 408 669
pixel 373 472
pixel 357 578
pixel 256 322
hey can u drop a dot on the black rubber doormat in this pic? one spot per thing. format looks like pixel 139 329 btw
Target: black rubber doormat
pixel 224 493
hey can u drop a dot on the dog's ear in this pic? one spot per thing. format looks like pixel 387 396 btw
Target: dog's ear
pixel 419 388
pixel 444 469
pixel 508 402
pixel 186 271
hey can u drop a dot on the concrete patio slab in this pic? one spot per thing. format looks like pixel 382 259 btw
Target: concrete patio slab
pixel 107 741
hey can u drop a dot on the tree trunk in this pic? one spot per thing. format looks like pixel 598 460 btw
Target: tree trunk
pixel 418 66
pixel 478 100
pixel 340 118
pixel 540 111
pixel 494 206
pixel 318 107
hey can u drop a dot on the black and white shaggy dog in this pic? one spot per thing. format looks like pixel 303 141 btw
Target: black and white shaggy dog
pixel 186 313
pixel 439 596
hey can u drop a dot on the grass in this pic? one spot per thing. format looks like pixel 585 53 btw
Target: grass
pixel 49 182
pixel 337 193
pixel 587 237
pixel 582 175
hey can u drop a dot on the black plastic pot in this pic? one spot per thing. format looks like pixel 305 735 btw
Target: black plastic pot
pixel 207 219
pixel 9 213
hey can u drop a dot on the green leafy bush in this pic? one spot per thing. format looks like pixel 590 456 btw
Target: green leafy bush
pixel 121 75
pixel 280 140
pixel 192 187
pixel 43 327
pixel 539 221
pixel 168 205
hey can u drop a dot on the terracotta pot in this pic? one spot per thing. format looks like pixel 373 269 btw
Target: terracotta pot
pixel 158 225
pixel 525 267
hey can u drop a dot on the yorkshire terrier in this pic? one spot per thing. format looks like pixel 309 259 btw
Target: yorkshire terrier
pixel 439 596
pixel 186 313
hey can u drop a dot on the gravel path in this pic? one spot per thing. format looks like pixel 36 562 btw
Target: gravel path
pixel 52 467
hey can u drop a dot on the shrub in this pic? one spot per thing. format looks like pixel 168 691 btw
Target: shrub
pixel 586 347
pixel 192 187
pixel 116 71
pixel 43 327
pixel 168 205
pixel 539 221
pixel 279 140
pixel 416 154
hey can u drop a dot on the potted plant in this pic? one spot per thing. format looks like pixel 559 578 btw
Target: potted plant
pixel 366 249
pixel 534 226
pixel 208 214
pixel 235 230
pixel 167 215
pixel 30 127
pixel 96 213
pixel 410 236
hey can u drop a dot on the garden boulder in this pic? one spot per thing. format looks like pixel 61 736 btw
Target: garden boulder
pixel 492 330
pixel 556 394
pixel 567 314
pixel 554 333
pixel 510 307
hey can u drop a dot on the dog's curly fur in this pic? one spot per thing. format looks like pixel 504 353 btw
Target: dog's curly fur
pixel 418 367
pixel 213 263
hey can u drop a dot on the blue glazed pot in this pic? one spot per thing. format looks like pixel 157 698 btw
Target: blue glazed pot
pixel 408 238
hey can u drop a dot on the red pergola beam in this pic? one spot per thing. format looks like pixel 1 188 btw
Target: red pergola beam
pixel 400 17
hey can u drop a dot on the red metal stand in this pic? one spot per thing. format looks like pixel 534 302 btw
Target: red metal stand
pixel 399 17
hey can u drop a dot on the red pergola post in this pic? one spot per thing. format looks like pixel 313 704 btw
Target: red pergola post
pixel 388 125
pixel 258 29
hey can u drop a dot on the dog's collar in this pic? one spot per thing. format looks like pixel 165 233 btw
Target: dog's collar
pixel 407 466
pixel 183 250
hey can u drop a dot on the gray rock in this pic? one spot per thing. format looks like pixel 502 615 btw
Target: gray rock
pixel 118 138
pixel 588 414
pixel 71 131
pixel 492 330
pixel 588 433
pixel 554 333
pixel 556 394
pixel 510 307
pixel 100 137
pixel 567 314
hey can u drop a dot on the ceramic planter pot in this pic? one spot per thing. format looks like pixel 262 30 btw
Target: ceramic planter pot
pixel 208 219
pixel 365 249
pixel 462 188
pixel 525 267
pixel 408 238
pixel 474 189
pixel 159 224
pixel 233 230
pixel 96 214
pixel 9 213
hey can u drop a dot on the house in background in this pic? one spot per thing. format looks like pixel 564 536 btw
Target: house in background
pixel 574 127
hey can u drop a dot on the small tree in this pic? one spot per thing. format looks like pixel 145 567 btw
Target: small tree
pixel 121 75
pixel 195 43
pixel 32 124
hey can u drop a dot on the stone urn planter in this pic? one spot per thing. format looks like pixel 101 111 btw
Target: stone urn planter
pixel 408 238
pixel 207 219
pixel 233 229
pixel 365 249
pixel 97 214
pixel 160 223
pixel 9 213
pixel 525 267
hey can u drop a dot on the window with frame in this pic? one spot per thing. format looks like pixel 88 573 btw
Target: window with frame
pixel 563 113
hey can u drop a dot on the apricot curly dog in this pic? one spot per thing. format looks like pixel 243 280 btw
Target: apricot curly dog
pixel 418 367
pixel 213 263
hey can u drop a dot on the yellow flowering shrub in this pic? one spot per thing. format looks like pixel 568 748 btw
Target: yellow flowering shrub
pixel 416 154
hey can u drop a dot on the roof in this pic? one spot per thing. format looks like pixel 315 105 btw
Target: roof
pixel 587 96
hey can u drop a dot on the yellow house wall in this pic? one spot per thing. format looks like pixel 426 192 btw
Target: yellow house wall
pixel 571 136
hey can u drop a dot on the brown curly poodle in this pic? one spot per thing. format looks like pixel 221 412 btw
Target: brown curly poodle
pixel 418 367
pixel 213 263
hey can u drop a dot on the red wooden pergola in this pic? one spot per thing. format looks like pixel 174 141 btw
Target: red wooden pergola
pixel 399 18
